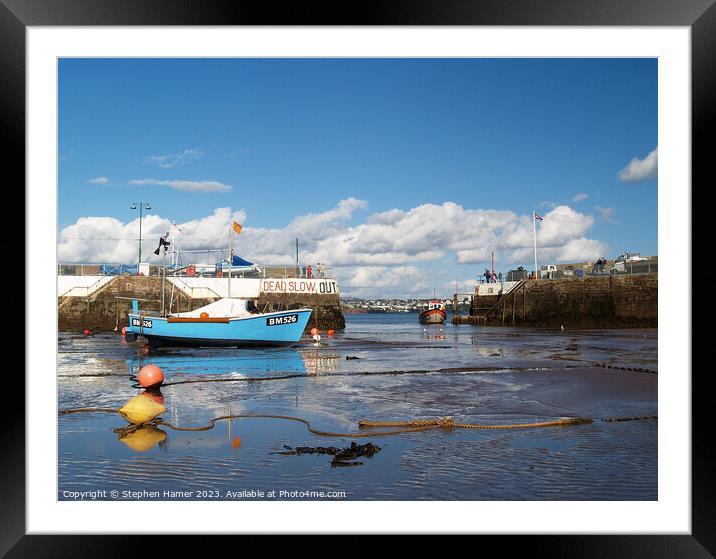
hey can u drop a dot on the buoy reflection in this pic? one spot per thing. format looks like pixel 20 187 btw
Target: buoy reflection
pixel 143 438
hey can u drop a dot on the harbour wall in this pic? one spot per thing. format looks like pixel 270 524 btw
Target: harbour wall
pixel 628 301
pixel 103 304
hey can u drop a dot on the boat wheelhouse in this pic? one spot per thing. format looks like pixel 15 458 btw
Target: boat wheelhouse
pixel 434 313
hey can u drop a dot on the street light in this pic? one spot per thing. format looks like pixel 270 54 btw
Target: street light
pixel 142 206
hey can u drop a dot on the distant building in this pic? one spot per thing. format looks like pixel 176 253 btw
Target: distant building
pixel 517 275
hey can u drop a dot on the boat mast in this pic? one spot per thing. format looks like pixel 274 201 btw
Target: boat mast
pixel 164 275
pixel 175 261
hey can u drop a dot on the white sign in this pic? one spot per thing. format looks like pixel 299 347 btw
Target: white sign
pixel 298 285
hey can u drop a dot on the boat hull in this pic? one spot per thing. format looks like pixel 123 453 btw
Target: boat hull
pixel 280 329
pixel 433 316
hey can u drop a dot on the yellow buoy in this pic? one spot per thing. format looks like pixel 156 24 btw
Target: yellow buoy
pixel 141 409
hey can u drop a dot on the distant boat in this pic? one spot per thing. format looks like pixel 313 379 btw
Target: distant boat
pixel 224 323
pixel 434 313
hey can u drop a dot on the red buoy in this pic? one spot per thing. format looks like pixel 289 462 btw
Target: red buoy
pixel 331 332
pixel 150 375
pixel 124 330
pixel 86 331
pixel 155 395
pixel 314 331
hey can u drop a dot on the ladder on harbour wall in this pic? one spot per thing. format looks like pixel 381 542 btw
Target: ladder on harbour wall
pixel 500 305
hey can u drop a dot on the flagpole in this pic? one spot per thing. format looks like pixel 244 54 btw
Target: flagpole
pixel 229 290
pixel 534 234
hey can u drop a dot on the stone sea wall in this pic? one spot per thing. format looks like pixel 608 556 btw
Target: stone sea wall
pixel 628 301
pixel 107 308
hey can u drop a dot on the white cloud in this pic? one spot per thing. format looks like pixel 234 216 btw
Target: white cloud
pixel 386 281
pixel 186 186
pixel 173 159
pixel 396 251
pixel 641 169
pixel 98 180
pixel 606 214
pixel 580 197
pixel 108 240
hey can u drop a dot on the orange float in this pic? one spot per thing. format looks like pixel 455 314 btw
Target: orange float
pixel 155 395
pixel 124 330
pixel 150 375
pixel 236 443
pixel 314 331
pixel 204 315
pixel 331 332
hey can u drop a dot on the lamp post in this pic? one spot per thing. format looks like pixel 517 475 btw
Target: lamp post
pixel 142 206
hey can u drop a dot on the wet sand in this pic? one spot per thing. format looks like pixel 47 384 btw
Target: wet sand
pixel 396 369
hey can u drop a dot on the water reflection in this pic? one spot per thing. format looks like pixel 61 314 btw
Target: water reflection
pixel 321 361
pixel 251 364
pixel 144 438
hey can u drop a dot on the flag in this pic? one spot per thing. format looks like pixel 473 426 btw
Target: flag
pixel 537 216
pixel 163 242
pixel 237 227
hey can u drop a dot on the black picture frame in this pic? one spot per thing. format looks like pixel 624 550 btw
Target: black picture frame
pixel 699 15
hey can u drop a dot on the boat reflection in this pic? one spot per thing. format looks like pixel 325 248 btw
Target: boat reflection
pixel 321 361
pixel 249 364
pixel 433 334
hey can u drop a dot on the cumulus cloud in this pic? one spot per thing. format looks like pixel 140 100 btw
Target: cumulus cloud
pixel 606 214
pixel 98 180
pixel 387 252
pixel 186 186
pixel 173 159
pixel 395 281
pixel 580 197
pixel 641 169
pixel 109 240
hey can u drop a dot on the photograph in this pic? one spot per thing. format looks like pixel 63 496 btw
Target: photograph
pixel 358 278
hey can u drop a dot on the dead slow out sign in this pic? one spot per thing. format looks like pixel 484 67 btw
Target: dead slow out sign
pixel 320 287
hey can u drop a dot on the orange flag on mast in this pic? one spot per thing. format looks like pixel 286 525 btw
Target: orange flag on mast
pixel 237 227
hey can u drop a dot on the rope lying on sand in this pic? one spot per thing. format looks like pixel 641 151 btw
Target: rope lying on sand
pixel 451 423
pixel 633 369
pixel 409 426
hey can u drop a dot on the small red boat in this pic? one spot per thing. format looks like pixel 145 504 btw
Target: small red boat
pixel 434 313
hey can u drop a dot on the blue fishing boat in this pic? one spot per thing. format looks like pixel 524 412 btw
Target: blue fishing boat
pixel 224 323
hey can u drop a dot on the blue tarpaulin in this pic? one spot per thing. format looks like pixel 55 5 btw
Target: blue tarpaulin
pixel 238 261
pixel 118 270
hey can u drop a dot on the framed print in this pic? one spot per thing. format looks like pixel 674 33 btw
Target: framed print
pixel 393 274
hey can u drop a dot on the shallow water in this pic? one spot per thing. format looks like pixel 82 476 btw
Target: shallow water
pixel 404 371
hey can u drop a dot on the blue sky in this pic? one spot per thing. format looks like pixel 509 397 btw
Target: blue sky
pixel 276 139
